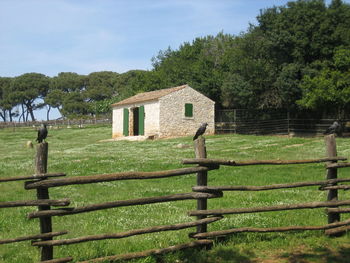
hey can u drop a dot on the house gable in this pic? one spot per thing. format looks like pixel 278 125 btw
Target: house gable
pixel 148 96
pixel 173 119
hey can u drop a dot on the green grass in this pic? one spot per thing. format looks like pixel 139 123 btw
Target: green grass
pixel 80 152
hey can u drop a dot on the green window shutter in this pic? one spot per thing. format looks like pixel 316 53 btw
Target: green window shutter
pixel 142 120
pixel 126 122
pixel 188 110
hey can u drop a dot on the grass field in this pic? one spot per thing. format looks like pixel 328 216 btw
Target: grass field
pixel 80 152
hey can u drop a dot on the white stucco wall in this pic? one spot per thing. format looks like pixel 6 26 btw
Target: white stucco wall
pixel 117 125
pixel 172 118
pixel 151 118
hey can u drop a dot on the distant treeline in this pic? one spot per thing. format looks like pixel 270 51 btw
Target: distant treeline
pixel 297 56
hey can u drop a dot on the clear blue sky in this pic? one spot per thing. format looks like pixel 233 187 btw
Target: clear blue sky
pixel 84 36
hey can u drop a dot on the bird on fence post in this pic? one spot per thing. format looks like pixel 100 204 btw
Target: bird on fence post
pixel 334 128
pixel 42 133
pixel 200 131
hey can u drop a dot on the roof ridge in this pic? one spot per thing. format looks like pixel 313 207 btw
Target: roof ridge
pixel 149 95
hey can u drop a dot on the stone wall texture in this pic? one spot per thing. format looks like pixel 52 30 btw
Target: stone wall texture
pixel 172 113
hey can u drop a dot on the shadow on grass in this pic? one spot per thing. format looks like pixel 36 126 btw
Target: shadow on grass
pixel 234 255
pixel 231 255
pixel 321 254
pixel 217 255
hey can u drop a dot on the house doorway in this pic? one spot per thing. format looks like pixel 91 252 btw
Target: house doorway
pixel 137 121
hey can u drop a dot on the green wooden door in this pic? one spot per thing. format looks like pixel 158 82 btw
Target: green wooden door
pixel 126 122
pixel 142 120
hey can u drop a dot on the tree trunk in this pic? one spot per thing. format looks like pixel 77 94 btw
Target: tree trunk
pixel 48 113
pixel 23 112
pixel 30 111
pixel 10 115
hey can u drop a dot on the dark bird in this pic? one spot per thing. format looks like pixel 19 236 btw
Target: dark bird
pixel 42 134
pixel 334 128
pixel 201 130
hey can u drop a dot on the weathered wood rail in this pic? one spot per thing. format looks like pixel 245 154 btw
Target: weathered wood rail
pixel 31 177
pixel 132 202
pixel 127 233
pixel 311 205
pixel 42 181
pixel 114 177
pixel 323 186
pixel 32 237
pixel 61 202
pixel 216 162
pixel 213 234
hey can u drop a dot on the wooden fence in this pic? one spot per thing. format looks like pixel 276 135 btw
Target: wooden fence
pixel 42 181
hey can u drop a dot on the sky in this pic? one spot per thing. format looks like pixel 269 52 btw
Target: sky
pixel 84 36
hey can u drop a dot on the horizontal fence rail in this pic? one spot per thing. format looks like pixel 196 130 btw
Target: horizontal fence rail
pixel 338 210
pixel 269 229
pixel 268 208
pixel 323 184
pixel 61 202
pixel 337 165
pixel 127 234
pixel 114 177
pixel 203 161
pixel 335 187
pixel 31 177
pixel 32 237
pixel 337 230
pixel 132 202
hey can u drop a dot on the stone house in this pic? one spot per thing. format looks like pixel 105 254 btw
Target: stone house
pixel 177 111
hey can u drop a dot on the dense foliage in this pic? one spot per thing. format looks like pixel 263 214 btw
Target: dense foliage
pixel 296 56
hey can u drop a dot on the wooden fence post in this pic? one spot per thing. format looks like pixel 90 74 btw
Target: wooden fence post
pixel 43 193
pixel 234 121
pixel 288 122
pixel 202 179
pixel 331 149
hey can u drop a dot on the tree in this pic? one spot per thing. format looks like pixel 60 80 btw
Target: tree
pixel 6 104
pixel 294 31
pixel 101 85
pixel 329 88
pixel 74 105
pixel 54 99
pixel 26 89
pixel 287 85
pixel 236 92
pixel 67 93
pixel 201 64
pixel 136 81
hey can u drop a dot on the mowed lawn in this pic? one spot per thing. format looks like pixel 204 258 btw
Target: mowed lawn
pixel 81 152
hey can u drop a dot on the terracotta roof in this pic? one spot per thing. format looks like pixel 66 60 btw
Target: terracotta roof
pixel 151 95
